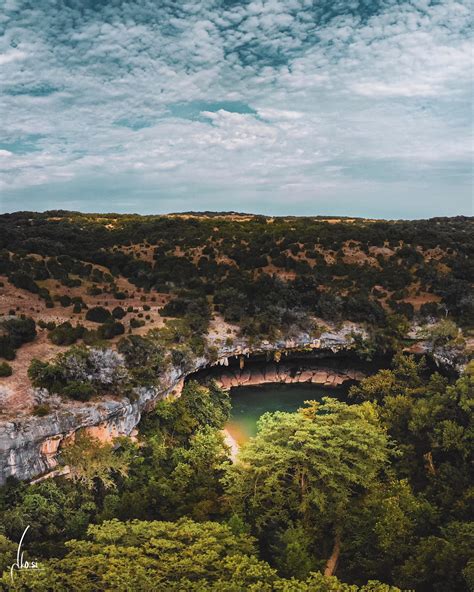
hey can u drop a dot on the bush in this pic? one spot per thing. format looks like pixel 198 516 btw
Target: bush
pixel 120 295
pixel 118 312
pixel 65 300
pixel 119 328
pixel 45 375
pixel 98 314
pixel 41 410
pixel 94 291
pixel 110 330
pixel 24 281
pixel 80 391
pixel 7 351
pixel 5 369
pixel 66 334
pixel 71 282
pixel 91 337
pixel 20 330
pixel 50 325
pixel 13 333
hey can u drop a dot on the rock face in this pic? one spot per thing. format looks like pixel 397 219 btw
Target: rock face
pixel 285 373
pixel 29 446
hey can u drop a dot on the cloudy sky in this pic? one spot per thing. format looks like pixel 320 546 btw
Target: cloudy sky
pixel 345 107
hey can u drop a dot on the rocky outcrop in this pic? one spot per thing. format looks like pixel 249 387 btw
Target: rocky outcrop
pixel 286 374
pixel 29 446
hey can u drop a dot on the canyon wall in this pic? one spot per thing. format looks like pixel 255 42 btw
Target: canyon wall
pixel 29 445
pixel 287 374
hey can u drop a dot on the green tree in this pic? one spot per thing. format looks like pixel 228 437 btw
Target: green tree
pixel 309 467
pixel 167 557
pixel 437 562
pixel 90 460
pixel 53 509
pixel 198 406
pixel 195 479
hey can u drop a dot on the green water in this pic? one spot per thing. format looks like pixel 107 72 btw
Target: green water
pixel 250 402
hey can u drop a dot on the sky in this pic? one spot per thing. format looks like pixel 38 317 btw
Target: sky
pixel 301 107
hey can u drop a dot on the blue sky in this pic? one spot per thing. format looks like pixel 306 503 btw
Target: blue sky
pixel 344 107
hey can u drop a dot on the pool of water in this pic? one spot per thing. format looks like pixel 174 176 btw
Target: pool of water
pixel 250 402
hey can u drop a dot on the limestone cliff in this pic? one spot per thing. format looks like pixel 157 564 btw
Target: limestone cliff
pixel 29 446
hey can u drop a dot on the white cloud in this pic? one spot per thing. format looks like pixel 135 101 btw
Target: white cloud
pixel 340 99
pixel 11 56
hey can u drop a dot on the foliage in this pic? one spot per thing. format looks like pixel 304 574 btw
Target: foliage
pixel 320 489
pixel 442 332
pixel 89 461
pixel 171 556
pixel 198 406
pixel 264 274
pixel 41 410
pixel 180 465
pixel 66 334
pixel 5 369
pixel 98 314
pixel 118 312
pixel 55 510
pixel 144 357
pixel 307 469
pixel 13 333
pixel 92 370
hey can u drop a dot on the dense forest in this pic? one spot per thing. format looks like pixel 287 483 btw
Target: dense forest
pixel 263 273
pixel 375 488
pixel 373 493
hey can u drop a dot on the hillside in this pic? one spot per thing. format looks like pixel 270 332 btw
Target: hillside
pixel 90 278
pixel 120 337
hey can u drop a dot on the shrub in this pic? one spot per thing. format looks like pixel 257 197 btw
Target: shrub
pixel 80 391
pixel 98 314
pixel 46 376
pixel 5 369
pixel 90 337
pixel 119 328
pixel 94 291
pixel 41 410
pixel 71 282
pixel 442 333
pixel 20 330
pixel 120 295
pixel 118 312
pixel 66 334
pixel 13 333
pixel 65 300
pixel 24 281
pixel 50 325
pixel 101 369
pixel 7 351
pixel 110 330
